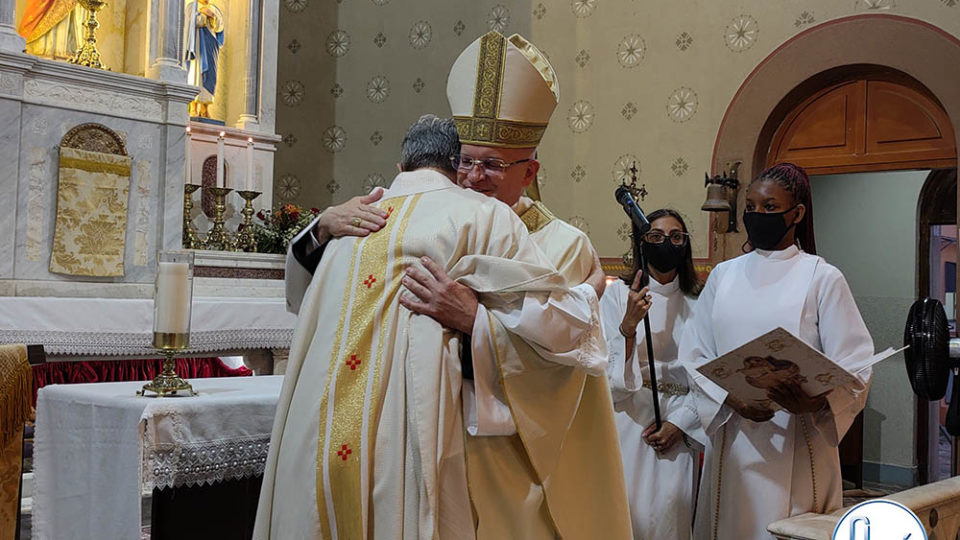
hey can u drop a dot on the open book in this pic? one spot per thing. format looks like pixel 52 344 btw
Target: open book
pixel 777 356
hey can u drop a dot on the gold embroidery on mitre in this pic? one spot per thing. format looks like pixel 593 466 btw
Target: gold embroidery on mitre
pixel 500 133
pixel 536 217
pixel 486 99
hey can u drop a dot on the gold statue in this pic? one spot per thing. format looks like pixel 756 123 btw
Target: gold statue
pixel 205 37
pixel 53 28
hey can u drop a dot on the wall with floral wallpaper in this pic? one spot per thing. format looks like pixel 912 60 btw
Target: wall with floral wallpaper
pixel 641 81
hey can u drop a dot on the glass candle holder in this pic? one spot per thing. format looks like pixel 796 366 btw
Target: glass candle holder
pixel 172 299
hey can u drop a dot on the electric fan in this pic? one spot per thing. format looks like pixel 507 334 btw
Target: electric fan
pixel 930 355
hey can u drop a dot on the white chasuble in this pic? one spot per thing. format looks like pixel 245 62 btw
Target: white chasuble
pixel 660 487
pixel 368 440
pixel 553 470
pixel 757 473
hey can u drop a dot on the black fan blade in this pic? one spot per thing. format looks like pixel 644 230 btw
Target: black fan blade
pixel 927 356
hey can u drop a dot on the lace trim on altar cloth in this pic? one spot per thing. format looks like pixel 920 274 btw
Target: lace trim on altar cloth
pixel 205 462
pixel 119 343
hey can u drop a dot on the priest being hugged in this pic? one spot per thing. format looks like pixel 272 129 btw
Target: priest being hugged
pixel 372 398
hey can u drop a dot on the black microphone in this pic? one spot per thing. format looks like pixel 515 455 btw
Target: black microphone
pixel 625 198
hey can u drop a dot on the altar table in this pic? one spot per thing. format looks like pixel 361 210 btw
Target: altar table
pixel 123 327
pixel 99 448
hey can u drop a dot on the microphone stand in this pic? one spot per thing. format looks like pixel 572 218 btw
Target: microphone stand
pixel 645 280
pixel 641 225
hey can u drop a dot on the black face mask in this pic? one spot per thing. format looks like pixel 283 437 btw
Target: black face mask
pixel 766 230
pixel 665 256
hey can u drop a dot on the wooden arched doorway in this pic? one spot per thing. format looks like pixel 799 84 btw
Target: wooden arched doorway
pixel 867 119
pixel 872 119
pixel 936 257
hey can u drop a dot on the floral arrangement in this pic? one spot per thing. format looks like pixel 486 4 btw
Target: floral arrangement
pixel 276 229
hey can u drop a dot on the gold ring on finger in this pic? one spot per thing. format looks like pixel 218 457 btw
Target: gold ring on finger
pixel 357 221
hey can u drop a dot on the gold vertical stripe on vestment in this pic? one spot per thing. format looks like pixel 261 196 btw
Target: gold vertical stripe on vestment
pixel 375 287
pixel 396 276
pixel 322 514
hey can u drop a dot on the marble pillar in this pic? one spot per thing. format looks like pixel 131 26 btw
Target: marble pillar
pixel 166 34
pixel 250 117
pixel 10 40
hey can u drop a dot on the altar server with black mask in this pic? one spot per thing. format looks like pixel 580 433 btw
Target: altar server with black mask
pixel 762 466
pixel 660 466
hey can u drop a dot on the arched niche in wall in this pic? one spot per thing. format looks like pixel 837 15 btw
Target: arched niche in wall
pixel 821 56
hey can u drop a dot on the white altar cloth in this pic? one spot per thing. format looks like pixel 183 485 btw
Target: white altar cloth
pixel 124 326
pixel 98 448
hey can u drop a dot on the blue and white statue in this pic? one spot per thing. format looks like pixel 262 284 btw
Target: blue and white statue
pixel 204 28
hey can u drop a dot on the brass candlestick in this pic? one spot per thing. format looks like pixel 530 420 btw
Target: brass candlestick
pixel 167 382
pixel 87 54
pixel 190 238
pixel 218 238
pixel 245 240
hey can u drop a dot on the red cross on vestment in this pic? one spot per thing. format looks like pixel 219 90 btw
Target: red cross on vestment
pixel 370 281
pixel 353 362
pixel 344 451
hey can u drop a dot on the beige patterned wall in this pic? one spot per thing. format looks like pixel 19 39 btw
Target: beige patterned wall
pixel 644 80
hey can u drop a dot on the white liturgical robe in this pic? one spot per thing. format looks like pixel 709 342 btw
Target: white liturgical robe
pixel 368 439
pixel 660 488
pixel 757 473
pixel 546 463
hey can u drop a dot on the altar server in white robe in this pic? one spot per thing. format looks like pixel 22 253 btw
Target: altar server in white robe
pixel 762 466
pixel 380 389
pixel 660 467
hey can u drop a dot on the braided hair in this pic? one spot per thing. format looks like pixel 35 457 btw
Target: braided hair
pixel 795 180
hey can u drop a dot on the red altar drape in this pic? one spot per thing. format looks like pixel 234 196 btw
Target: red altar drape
pixel 127 370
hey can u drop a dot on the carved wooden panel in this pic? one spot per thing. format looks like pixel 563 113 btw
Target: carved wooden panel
pixel 905 125
pixel 864 125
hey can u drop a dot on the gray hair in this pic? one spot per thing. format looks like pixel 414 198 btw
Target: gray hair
pixel 430 142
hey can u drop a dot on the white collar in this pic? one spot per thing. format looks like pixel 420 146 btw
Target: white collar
pixel 779 255
pixel 418 181
pixel 665 289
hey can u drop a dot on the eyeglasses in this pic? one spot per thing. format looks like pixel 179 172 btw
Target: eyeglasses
pixel 677 238
pixel 495 165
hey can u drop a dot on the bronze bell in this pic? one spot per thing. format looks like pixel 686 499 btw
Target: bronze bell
pixel 716 199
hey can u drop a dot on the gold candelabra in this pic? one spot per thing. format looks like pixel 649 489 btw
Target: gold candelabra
pixel 218 238
pixel 87 54
pixel 245 240
pixel 167 382
pixel 190 238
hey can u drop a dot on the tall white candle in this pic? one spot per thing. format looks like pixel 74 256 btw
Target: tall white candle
pixel 249 182
pixel 188 177
pixel 220 179
pixel 172 301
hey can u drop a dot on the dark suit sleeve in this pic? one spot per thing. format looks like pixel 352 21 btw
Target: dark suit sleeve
pixel 466 358
pixel 311 260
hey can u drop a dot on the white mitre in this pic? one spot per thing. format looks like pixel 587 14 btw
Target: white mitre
pixel 502 92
